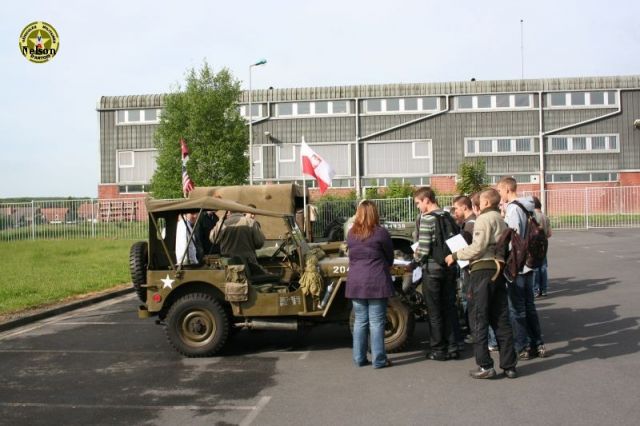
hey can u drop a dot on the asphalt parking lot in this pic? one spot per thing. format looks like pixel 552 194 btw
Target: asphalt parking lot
pixel 101 365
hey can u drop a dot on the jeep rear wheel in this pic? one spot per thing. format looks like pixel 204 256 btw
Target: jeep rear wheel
pixel 197 325
pixel 399 325
pixel 138 262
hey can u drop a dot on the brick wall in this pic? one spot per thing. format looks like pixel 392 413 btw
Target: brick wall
pixel 444 184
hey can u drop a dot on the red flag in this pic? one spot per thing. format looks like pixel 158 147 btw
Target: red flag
pixel 187 183
pixel 315 166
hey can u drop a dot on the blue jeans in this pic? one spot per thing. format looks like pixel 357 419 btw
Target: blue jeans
pixel 523 314
pixel 371 315
pixel 540 279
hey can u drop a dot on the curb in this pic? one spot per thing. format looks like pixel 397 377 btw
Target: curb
pixel 48 313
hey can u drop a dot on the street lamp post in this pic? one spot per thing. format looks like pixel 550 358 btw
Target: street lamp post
pixel 260 62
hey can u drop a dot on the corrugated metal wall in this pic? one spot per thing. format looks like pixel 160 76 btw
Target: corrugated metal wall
pixel 447 131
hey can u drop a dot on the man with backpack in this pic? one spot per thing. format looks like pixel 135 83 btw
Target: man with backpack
pixel 522 308
pixel 438 279
pixel 488 302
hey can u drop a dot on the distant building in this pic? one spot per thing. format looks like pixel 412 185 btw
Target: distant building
pixel 549 133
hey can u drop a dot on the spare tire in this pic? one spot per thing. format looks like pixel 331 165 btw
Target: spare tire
pixel 138 263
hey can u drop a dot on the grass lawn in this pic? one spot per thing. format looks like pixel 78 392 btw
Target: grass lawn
pixel 36 273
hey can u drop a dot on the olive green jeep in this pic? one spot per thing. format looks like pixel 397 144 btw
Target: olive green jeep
pixel 295 285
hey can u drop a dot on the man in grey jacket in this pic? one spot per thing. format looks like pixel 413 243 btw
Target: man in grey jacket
pixel 524 317
pixel 488 301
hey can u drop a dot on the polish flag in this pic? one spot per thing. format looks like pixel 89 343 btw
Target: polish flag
pixel 315 166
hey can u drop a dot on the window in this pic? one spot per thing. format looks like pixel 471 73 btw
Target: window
pixel 411 104
pixel 583 144
pixel 322 107
pixel 257 110
pixel 430 103
pixel 465 102
pixel 503 101
pixel 421 149
pixel 596 98
pixel 581 177
pixel 285 108
pixel 485 146
pixel 287 153
pixel 504 145
pixel 577 98
pixel 340 107
pixel 598 142
pixel 135 167
pixel 579 143
pixel 559 144
pixel 522 100
pixel 304 108
pixel 125 159
pixel 393 104
pixel 499 101
pixel 581 99
pixel 484 101
pixel 471 147
pixel 523 145
pixel 137 116
pixel 134 115
pixel 499 146
pixel 374 105
pixel 150 115
pixel 558 99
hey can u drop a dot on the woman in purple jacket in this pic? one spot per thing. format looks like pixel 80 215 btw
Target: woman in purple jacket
pixel 369 283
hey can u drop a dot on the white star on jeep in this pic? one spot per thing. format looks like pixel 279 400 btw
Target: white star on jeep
pixel 167 282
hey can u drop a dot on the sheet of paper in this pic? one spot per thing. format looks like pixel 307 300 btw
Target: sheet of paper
pixel 456 243
pixel 417 274
pixel 414 246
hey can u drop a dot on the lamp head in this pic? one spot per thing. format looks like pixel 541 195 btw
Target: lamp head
pixel 260 62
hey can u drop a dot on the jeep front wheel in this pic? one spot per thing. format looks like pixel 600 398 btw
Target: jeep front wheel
pixel 400 325
pixel 197 325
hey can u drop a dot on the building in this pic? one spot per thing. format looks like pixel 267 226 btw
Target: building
pixel 547 133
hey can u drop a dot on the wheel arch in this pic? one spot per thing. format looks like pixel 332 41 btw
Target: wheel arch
pixel 191 287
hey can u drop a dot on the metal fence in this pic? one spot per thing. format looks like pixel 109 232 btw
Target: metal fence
pixel 607 207
pixel 73 219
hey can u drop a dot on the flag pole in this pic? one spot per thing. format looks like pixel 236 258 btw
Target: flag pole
pixel 304 194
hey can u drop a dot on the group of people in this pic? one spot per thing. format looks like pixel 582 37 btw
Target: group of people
pixel 236 235
pixel 494 306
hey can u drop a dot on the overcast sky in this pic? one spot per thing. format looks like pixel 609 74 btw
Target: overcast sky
pixel 48 112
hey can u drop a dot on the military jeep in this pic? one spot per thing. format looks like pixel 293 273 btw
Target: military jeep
pixel 200 306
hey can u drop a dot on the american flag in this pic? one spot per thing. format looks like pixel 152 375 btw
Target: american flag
pixel 187 183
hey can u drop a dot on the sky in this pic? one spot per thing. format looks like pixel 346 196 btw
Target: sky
pixel 50 133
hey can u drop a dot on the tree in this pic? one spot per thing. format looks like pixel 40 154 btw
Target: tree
pixel 204 114
pixel 473 177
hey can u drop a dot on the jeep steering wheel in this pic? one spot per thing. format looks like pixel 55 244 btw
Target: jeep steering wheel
pixel 280 247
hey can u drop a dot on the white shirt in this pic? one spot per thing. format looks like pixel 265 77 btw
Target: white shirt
pixel 183 232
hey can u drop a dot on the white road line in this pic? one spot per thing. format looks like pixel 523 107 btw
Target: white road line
pixel 251 408
pixel 304 355
pixel 63 317
pixel 601 251
pixel 255 411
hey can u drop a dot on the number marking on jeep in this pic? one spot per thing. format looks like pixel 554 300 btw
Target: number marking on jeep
pixel 340 269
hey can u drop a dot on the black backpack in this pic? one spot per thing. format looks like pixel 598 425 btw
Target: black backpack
pixel 530 250
pixel 446 227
